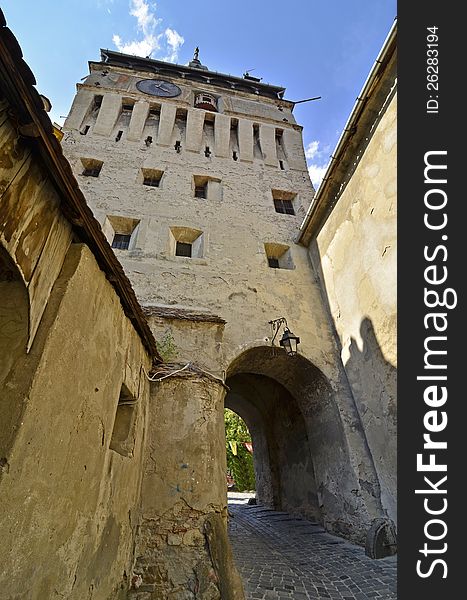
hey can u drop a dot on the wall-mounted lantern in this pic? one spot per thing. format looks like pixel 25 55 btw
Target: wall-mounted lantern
pixel 288 341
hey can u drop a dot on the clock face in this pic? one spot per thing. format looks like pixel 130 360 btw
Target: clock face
pixel 158 87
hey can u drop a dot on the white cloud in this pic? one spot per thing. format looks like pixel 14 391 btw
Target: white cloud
pixel 152 41
pixel 142 48
pixel 147 21
pixel 318 167
pixel 317 173
pixel 312 149
pixel 174 41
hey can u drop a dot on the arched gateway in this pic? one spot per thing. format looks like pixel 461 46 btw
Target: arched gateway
pixel 311 456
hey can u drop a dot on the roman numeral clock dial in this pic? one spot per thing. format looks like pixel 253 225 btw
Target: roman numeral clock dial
pixel 158 87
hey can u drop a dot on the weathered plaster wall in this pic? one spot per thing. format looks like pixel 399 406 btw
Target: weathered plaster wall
pixel 183 489
pixel 33 229
pixel 355 252
pixel 231 278
pixel 228 275
pixel 68 518
pixel 186 340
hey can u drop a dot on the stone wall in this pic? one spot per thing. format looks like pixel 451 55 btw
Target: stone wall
pixel 355 254
pixel 228 274
pixel 183 530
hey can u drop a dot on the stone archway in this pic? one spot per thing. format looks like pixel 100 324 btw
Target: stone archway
pixel 283 463
pixel 311 456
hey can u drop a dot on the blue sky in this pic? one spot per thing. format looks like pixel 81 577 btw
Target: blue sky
pixel 312 47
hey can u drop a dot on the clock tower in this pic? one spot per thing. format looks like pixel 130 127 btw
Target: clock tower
pixel 200 183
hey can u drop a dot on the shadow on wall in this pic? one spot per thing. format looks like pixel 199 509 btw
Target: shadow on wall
pixel 374 385
pixel 373 382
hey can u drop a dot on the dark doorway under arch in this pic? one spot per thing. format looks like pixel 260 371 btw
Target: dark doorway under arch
pixel 282 456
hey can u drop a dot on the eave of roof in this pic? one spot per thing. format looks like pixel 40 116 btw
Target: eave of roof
pixel 18 83
pixel 153 65
pixel 367 106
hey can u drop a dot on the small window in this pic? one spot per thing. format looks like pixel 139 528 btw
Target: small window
pixel 187 242
pixel 152 177
pixel 278 256
pixel 118 137
pixel 201 191
pixel 92 172
pixel 85 130
pixel 284 206
pixel 121 232
pixel 127 106
pixel 123 434
pixel 151 181
pixel 183 249
pixel 207 187
pixel 98 101
pixel 92 167
pixel 284 202
pixel 121 241
pixel 273 263
pixel 281 165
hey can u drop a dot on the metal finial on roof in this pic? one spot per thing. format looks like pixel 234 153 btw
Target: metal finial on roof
pixel 196 53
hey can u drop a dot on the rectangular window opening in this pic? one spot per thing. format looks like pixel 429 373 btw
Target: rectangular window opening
pixel 85 130
pixel 152 177
pixel 183 249
pixel 284 207
pixel 92 171
pixel 119 136
pixel 273 263
pixel 281 165
pixel 91 167
pixel 201 191
pixel 151 181
pixel 278 256
pixel 123 433
pixel 121 241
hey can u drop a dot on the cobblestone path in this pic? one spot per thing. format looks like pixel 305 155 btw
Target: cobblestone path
pixel 280 556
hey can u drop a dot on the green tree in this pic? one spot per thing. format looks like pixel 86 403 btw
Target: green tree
pixel 239 459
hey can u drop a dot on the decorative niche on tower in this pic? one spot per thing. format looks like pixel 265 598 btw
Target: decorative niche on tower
pixel 206 101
